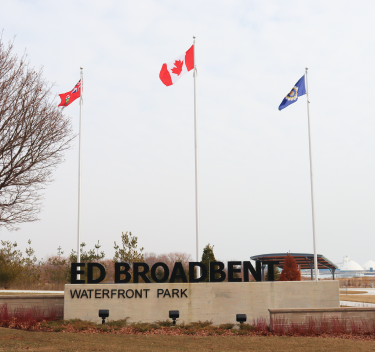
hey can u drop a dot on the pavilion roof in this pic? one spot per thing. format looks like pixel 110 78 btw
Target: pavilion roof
pixel 304 260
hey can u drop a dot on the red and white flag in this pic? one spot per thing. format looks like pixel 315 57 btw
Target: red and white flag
pixel 69 97
pixel 172 71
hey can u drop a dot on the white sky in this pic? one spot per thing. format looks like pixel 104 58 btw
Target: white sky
pixel 138 136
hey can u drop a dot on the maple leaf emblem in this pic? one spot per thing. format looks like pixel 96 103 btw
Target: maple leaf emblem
pixel 177 67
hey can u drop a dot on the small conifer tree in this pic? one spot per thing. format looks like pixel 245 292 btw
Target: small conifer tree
pixel 129 253
pixel 290 270
pixel 207 257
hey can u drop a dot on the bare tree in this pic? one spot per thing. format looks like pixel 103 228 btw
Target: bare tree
pixel 169 258
pixel 34 134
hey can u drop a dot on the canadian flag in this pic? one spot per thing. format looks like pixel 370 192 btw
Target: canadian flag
pixel 171 72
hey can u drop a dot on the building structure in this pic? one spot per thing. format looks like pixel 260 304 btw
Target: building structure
pixel 369 265
pixel 349 268
pixel 305 261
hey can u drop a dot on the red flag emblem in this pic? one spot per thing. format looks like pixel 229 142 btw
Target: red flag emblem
pixel 69 97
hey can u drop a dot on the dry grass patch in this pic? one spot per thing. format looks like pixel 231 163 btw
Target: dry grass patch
pixel 355 298
pixel 18 340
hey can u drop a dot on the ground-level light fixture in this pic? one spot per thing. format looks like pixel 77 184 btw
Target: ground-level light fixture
pixel 174 314
pixel 241 318
pixel 103 313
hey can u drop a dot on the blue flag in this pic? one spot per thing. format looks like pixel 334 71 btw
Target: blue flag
pixel 298 90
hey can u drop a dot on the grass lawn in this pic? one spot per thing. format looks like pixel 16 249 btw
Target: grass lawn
pixel 19 340
pixel 355 298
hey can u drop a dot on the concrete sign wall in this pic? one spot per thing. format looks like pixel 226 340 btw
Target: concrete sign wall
pixel 219 302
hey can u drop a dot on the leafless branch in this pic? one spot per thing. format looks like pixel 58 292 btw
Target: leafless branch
pixel 34 133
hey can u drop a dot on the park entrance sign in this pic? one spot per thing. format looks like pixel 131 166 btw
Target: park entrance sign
pixel 236 270
pixel 214 301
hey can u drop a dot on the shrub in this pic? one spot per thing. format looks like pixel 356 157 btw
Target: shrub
pixel 290 270
pixel 227 326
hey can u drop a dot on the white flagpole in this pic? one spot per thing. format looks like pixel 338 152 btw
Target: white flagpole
pixel 196 165
pixel 311 181
pixel 79 174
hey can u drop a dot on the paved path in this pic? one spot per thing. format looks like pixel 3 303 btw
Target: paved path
pixel 356 304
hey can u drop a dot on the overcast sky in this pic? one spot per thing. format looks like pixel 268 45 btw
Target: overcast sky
pixel 138 135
